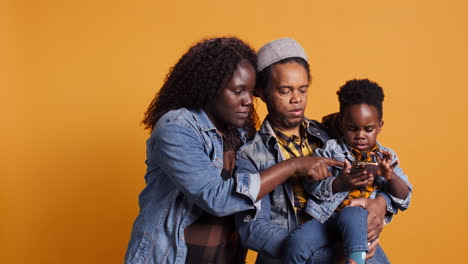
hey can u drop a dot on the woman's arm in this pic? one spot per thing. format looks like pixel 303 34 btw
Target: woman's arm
pixel 312 168
pixel 178 150
pixel 261 234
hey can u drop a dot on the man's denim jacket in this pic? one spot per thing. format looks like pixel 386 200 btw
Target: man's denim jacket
pixel 184 162
pixel 267 233
pixel 326 202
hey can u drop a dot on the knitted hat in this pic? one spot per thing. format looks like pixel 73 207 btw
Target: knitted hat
pixel 277 50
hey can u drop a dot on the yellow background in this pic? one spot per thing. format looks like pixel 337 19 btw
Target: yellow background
pixel 77 76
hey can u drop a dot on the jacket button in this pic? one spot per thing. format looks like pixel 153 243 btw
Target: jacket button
pixel 318 133
pixel 248 217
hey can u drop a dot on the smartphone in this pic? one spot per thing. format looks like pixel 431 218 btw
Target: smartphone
pixel 369 166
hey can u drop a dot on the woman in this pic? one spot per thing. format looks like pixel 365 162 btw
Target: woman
pixel 202 114
pixel 199 118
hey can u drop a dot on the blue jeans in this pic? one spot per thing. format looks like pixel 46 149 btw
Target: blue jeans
pixel 304 242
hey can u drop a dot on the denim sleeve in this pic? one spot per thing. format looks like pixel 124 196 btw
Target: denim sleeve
pixel 322 190
pixel 394 203
pixel 391 210
pixel 261 234
pixel 397 203
pixel 178 150
pixel 258 233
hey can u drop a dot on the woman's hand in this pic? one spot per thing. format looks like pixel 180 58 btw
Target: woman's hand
pixel 315 168
pixel 312 168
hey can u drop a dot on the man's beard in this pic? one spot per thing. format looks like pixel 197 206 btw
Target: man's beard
pixel 283 121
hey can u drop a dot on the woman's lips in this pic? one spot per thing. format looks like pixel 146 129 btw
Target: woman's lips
pixel 242 114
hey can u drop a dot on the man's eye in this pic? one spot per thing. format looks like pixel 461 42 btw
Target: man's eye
pixel 369 129
pixel 237 92
pixel 284 91
pixel 303 90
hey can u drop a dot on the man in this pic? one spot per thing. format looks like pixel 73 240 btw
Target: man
pixel 283 84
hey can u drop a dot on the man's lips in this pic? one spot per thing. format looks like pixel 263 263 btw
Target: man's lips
pixel 296 112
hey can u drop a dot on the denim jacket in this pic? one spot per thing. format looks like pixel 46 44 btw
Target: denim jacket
pixel 268 232
pixel 325 202
pixel 184 162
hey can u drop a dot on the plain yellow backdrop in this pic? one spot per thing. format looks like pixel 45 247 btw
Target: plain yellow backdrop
pixel 77 76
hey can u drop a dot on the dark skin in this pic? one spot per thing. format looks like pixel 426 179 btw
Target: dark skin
pixel 361 126
pixel 313 168
pixel 233 101
pixel 231 107
pixel 286 99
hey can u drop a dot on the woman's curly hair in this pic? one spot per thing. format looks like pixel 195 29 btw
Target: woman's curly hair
pixel 361 91
pixel 193 82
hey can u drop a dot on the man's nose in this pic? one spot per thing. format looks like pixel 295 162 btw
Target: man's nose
pixel 296 97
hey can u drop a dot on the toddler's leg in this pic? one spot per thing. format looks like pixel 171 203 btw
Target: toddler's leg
pixel 303 241
pixel 352 224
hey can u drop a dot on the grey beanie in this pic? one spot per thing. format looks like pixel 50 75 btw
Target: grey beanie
pixel 277 50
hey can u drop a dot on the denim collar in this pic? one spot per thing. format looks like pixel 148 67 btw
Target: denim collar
pixel 268 136
pixel 206 125
pixel 343 148
pixel 203 120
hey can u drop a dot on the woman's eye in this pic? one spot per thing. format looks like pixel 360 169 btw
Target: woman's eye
pixel 237 92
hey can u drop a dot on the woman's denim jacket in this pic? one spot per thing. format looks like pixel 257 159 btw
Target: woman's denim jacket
pixel 267 233
pixel 184 162
pixel 326 202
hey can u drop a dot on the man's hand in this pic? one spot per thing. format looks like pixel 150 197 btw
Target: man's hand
pixel 346 181
pixel 315 168
pixel 376 208
pixel 372 248
pixel 361 202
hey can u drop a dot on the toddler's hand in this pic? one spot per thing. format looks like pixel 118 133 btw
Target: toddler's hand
pixel 385 167
pixel 346 181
